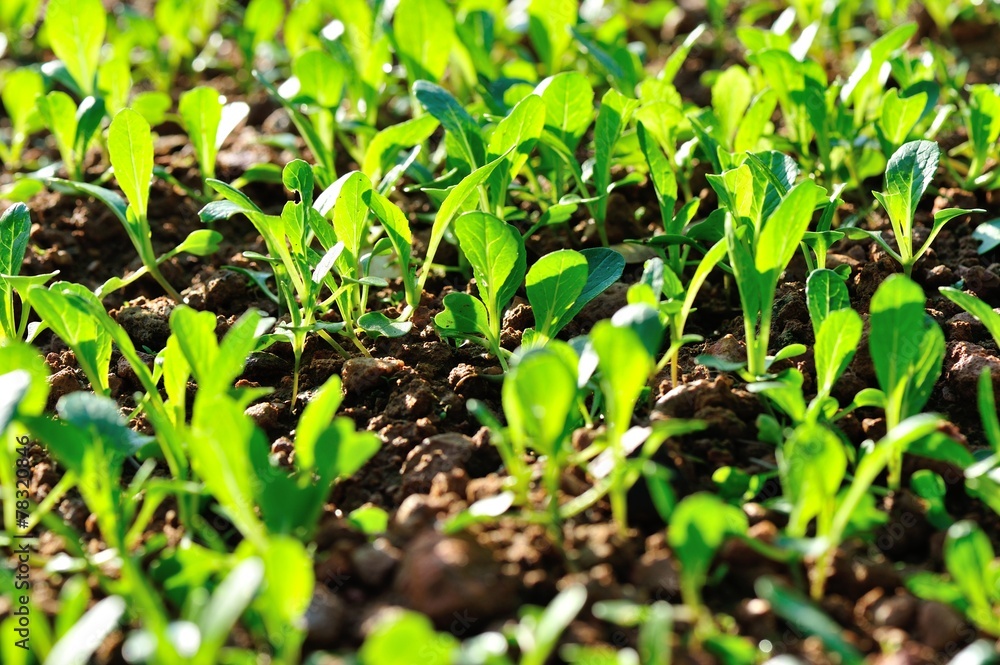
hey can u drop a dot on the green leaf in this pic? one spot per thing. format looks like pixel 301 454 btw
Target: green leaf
pixel 200 242
pixel 377 324
pixel 130 145
pixel 699 525
pixel 100 416
pixel 560 613
pixel 539 396
pixel 837 341
pixel 21 87
pixel 812 463
pixel 321 77
pixel 968 555
pixel 907 175
pixel 518 132
pixel 900 114
pixel 227 604
pixel 63 307
pixel 496 251
pixel 569 106
pixel 452 205
pixel 17 356
pixel 624 363
pixel 898 324
pixel 201 112
pixel 732 93
pixel 424 31
pixel 604 267
pixel 58 111
pixel 261 21
pixel 784 230
pixel 388 142
pixel 463 316
pixel 549 22
pixel 614 114
pixel 76 33
pixel 825 292
pixel 15 227
pixel 554 284
pixel 350 215
pixel 455 119
pixel 662 176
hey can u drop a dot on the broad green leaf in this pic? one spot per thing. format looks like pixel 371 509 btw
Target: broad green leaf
pixel 262 20
pixel 812 463
pixel 907 175
pixel 518 132
pixel 200 242
pixel 539 396
pixel 130 145
pixel 15 227
pixel 900 114
pixel 76 33
pixel 785 227
pixel 58 111
pixel 454 118
pixel 350 215
pixel 463 316
pixel 201 112
pixel 17 356
pixel 554 284
pixel 864 80
pixel 63 307
pixel 825 292
pixel 837 340
pixel 898 326
pixel 321 77
pixel 604 267
pixel 424 31
pixel 450 208
pixel 377 324
pixel 698 527
pixel 549 23
pixel 732 93
pixel 625 363
pixel 386 144
pixel 569 106
pixel 496 251
pixel 21 87
pixel 99 416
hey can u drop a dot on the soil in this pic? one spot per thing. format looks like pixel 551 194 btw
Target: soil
pixel 436 459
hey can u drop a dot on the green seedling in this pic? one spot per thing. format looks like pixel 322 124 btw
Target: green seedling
pixel 812 463
pixel 612 118
pixel 73 127
pixel 20 89
pixel 907 176
pixel 982 124
pixel 973 581
pixel 698 527
pixel 561 283
pixel 496 251
pixel 130 144
pixel 15 227
pixel 540 402
pixel 907 348
pixel 763 228
pixel 662 289
pixel 882 453
pixel 208 120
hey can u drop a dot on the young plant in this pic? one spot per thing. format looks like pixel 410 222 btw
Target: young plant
pixel 907 348
pixel 540 402
pixel 20 89
pixel 130 144
pixel 15 227
pixel 561 283
pixel 496 251
pixel 973 581
pixel 889 447
pixel 907 176
pixel 982 124
pixel 73 127
pixel 763 229
pixel 662 289
pixel 698 527
pixel 208 120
